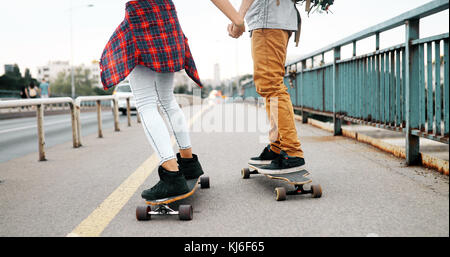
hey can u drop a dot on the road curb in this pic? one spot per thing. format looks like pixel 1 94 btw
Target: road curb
pixel 427 160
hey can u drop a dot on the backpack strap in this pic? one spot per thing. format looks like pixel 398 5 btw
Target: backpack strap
pixel 299 28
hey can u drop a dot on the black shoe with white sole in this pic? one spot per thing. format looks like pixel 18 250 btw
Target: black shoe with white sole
pixel 284 164
pixel 265 158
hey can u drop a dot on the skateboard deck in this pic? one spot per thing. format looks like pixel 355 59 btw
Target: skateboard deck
pixel 293 178
pixel 297 179
pixel 161 206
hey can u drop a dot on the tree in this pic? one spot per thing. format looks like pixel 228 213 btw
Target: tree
pixel 13 80
pixel 62 86
pixel 27 77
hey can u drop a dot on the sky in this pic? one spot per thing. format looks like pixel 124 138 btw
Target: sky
pixel 34 32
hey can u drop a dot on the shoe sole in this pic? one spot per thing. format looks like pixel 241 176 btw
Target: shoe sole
pixel 280 171
pixel 257 162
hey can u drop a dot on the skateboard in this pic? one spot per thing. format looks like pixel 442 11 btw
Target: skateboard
pixel 161 206
pixel 297 179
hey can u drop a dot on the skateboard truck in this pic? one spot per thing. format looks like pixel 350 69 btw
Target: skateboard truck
pixel 162 208
pixel 185 212
pixel 281 193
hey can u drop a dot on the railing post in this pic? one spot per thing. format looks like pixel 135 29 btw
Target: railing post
pixel 302 93
pixel 78 121
pixel 73 118
pixel 138 117
pixel 41 135
pixel 412 92
pixel 377 41
pixel 336 105
pixel 99 118
pixel 128 112
pixel 116 115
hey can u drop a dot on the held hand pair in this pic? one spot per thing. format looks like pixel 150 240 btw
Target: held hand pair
pixel 235 31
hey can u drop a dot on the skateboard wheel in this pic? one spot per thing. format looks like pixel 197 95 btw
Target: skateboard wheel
pixel 245 173
pixel 142 213
pixel 185 212
pixel 316 191
pixel 204 182
pixel 280 193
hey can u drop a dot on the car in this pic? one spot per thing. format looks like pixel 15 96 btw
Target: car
pixel 124 89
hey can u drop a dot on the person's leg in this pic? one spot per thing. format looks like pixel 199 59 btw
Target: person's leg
pixel 172 182
pixel 142 81
pixel 269 47
pixel 187 161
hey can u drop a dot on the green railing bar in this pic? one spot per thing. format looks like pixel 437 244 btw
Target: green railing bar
pixel 417 13
pixel 422 90
pixel 430 106
pixel 438 98
pixel 398 117
pixel 430 39
pixel 446 89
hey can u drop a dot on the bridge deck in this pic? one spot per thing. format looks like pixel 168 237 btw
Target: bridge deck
pixel 95 189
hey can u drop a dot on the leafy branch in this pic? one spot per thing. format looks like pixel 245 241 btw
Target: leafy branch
pixel 316 5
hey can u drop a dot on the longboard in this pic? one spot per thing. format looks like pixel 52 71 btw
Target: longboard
pixel 297 179
pixel 161 206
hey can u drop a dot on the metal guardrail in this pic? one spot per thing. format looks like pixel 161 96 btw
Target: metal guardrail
pixel 394 88
pixel 39 103
pixel 98 99
pixel 75 107
pixel 75 110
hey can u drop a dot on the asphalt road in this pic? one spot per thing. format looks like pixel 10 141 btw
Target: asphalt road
pixel 94 190
pixel 18 137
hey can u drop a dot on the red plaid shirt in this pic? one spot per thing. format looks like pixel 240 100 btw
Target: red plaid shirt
pixel 150 36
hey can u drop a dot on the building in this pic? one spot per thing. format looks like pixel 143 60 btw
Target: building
pixel 9 68
pixel 94 68
pixel 52 69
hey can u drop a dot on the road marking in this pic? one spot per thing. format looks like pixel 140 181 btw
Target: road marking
pixel 100 218
pixel 45 124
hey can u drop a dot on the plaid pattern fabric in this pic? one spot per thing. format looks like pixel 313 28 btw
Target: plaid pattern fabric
pixel 150 36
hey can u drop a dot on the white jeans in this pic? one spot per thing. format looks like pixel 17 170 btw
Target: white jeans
pixel 151 89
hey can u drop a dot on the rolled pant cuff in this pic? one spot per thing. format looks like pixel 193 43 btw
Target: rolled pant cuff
pixel 296 154
pixel 163 160
pixel 184 147
pixel 275 148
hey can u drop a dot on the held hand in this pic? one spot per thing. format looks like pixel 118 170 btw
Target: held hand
pixel 235 31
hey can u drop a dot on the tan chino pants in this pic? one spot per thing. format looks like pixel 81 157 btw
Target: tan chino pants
pixel 269 49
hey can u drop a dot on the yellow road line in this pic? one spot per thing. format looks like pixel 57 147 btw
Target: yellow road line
pixel 100 218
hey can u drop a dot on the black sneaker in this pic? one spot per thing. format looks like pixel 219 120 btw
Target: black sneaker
pixel 170 184
pixel 284 164
pixel 265 158
pixel 190 168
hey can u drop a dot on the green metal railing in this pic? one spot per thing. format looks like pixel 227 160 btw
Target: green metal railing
pixel 399 88
pixel 9 94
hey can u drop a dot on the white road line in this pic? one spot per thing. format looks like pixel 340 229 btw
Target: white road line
pixel 45 124
pixel 100 218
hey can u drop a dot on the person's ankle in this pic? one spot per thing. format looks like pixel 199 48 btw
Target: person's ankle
pixel 186 153
pixel 184 156
pixel 170 166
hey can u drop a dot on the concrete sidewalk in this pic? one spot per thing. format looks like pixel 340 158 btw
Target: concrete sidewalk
pixel 366 191
pixel 434 154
